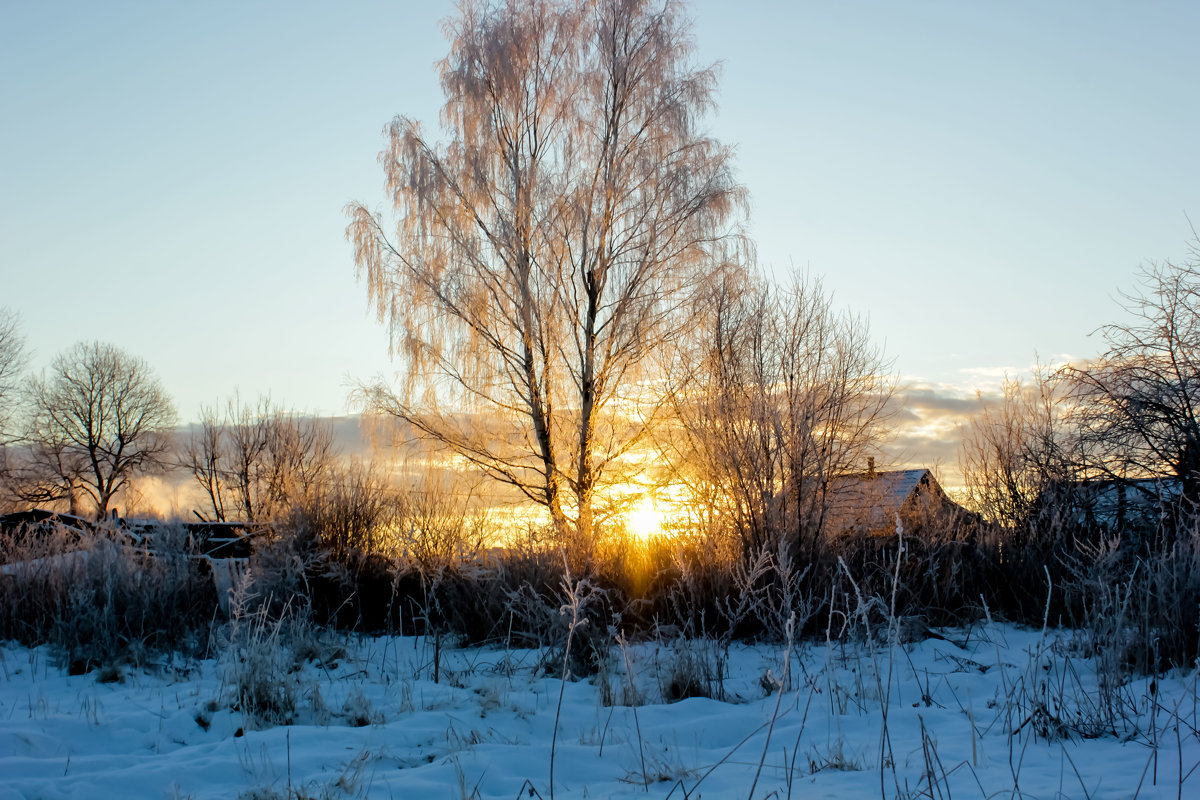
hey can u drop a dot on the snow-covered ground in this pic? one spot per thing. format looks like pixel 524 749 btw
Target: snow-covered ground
pixel 994 711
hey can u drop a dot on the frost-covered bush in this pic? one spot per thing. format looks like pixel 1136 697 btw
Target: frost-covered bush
pixel 101 599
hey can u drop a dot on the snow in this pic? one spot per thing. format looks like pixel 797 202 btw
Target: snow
pixel 847 722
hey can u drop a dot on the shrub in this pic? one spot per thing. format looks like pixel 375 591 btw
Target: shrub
pixel 98 598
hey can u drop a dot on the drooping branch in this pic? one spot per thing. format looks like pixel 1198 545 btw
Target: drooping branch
pixel 555 242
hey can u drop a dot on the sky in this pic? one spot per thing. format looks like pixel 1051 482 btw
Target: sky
pixel 979 180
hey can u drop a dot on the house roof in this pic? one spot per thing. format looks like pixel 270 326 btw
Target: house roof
pixel 874 501
pixel 893 486
pixel 1114 502
pixel 885 491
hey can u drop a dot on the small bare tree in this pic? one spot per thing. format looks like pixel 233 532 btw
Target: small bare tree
pixel 1015 451
pixel 785 395
pixel 551 246
pixel 256 462
pixel 204 455
pixel 98 417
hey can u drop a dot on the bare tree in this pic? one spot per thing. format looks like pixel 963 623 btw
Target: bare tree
pixel 203 454
pixel 1139 404
pixel 12 364
pixel 1015 451
pixel 98 417
pixel 257 462
pixel 789 395
pixel 550 246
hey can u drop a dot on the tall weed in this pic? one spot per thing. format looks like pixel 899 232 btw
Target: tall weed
pixel 99 597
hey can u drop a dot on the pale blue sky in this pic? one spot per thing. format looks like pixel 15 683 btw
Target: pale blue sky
pixel 977 178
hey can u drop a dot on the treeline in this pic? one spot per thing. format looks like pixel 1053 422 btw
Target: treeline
pixel 1083 482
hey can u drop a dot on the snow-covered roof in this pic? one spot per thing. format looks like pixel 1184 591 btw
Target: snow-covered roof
pixel 1114 502
pixel 885 490
pixel 872 501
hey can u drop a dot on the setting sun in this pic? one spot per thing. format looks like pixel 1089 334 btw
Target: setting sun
pixel 645 519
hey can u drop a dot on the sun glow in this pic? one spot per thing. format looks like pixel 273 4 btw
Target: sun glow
pixel 645 519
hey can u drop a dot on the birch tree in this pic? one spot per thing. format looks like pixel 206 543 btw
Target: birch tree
pixel 549 247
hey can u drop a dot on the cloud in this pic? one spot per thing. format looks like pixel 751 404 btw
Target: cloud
pixel 928 426
pixel 943 399
pixel 991 379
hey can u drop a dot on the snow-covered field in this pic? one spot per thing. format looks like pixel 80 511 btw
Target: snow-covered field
pixel 994 711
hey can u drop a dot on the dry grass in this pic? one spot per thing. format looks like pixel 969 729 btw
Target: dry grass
pixel 99 599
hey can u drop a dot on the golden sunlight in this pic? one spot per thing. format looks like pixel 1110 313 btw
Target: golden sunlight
pixel 644 518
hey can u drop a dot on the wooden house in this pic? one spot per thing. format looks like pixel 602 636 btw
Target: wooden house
pixel 873 503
